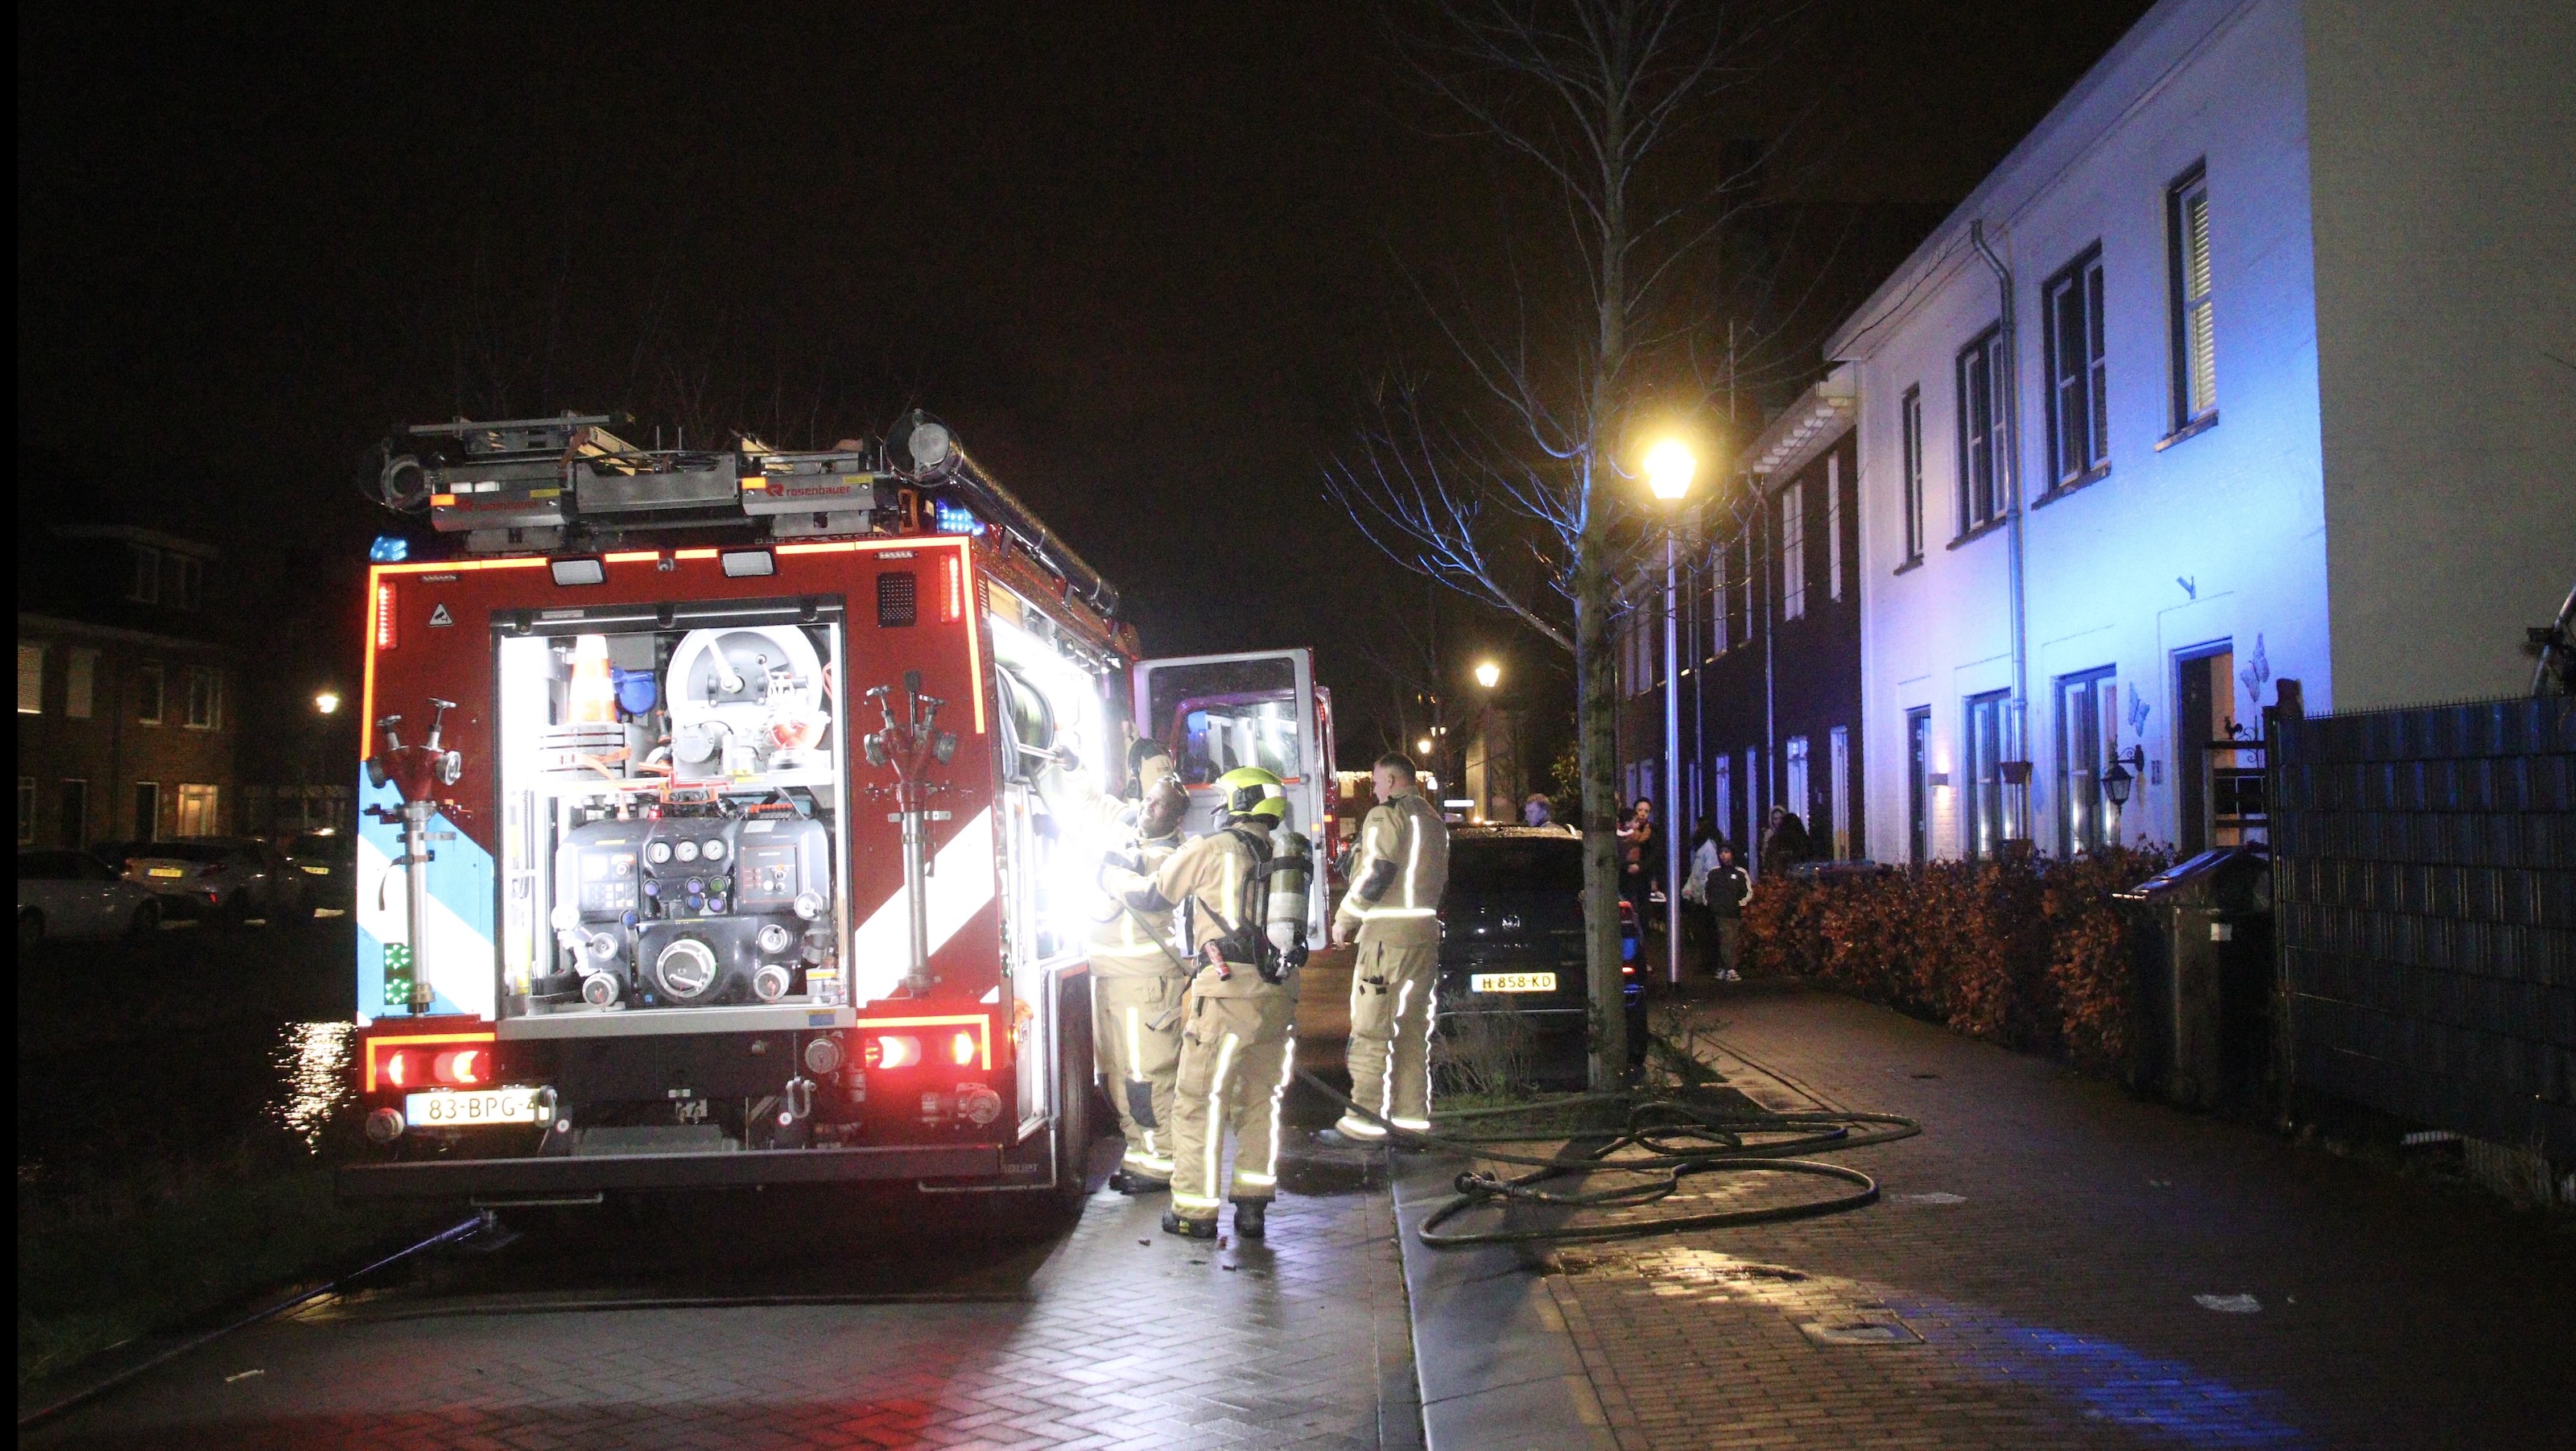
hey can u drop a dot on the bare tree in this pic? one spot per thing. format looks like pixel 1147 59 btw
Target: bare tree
pixel 1519 497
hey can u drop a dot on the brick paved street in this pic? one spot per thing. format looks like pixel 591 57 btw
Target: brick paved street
pixel 1120 1336
pixel 2033 1277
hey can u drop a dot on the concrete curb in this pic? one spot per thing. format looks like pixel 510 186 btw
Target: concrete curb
pixel 1497 1370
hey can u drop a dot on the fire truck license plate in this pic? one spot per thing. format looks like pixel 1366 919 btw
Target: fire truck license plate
pixel 448 1108
pixel 1512 982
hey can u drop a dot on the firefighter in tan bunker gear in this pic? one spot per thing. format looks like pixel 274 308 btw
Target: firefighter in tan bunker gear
pixel 1137 982
pixel 1238 1021
pixel 1393 909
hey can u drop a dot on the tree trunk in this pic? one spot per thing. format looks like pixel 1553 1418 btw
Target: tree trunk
pixel 1596 684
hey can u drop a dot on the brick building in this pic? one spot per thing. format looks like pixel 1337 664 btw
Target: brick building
pixel 124 688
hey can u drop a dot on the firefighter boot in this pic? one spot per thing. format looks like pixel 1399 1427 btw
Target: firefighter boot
pixel 1251 1218
pixel 1175 1223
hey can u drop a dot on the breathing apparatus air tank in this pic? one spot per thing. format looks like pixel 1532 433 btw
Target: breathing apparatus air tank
pixel 1291 869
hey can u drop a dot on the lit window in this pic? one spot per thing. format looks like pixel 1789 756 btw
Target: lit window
pixel 1981 446
pixel 1793 552
pixel 2195 333
pixel 31 679
pixel 2079 428
pixel 1910 428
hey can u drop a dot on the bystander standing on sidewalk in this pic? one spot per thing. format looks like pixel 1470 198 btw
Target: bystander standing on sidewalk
pixel 1723 887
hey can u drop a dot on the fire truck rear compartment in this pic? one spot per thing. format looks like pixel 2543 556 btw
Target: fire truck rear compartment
pixel 672 804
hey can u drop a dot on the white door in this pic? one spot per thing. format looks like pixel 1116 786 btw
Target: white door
pixel 1221 712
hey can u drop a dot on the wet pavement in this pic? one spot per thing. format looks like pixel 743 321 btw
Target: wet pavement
pixel 830 1320
pixel 2057 1264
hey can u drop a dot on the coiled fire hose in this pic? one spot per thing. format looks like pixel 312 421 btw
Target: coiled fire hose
pixel 1664 1141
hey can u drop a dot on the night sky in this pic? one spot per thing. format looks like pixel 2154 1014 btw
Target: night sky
pixel 1142 258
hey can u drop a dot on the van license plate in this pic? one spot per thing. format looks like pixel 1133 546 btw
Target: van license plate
pixel 168 871
pixel 1512 982
pixel 455 1108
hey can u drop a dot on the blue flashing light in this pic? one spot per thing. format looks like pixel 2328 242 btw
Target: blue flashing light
pixel 956 519
pixel 389 549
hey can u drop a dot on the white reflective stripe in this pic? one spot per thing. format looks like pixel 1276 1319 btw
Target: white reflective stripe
pixel 1135 1043
pixel 1216 1121
pixel 1353 1126
pixel 1412 860
pixel 1270 1159
pixel 1154 1162
pixel 1386 1079
pixel 1264 1180
pixel 1194 1201
pixel 1417 1125
pixel 962 876
pixel 1372 914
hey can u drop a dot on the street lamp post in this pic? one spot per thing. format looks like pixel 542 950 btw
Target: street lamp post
pixel 1669 466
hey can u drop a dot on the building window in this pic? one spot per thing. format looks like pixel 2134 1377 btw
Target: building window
pixel 1838 785
pixel 2084 724
pixel 198 811
pixel 80 684
pixel 26 811
pixel 1981 445
pixel 188 581
pixel 1719 606
pixel 1793 552
pixel 71 813
pixel 146 589
pixel 2079 427
pixel 1984 736
pixel 1918 785
pixel 147 810
pixel 205 700
pixel 31 679
pixel 1723 769
pixel 147 692
pixel 1833 526
pixel 1909 424
pixel 1744 589
pixel 1793 789
pixel 2195 334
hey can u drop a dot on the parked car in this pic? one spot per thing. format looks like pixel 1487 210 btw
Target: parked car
pixel 1511 951
pixel 231 879
pixel 63 893
pixel 328 863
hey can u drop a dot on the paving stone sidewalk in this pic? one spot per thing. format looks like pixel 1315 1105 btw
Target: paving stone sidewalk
pixel 1126 1337
pixel 2056 1264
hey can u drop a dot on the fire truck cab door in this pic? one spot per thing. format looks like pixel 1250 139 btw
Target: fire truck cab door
pixel 1221 712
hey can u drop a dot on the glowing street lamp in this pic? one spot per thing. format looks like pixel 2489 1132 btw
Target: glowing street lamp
pixel 327 702
pixel 1489 674
pixel 1669 467
pixel 1423 747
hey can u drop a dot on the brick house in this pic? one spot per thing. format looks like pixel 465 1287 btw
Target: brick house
pixel 124 688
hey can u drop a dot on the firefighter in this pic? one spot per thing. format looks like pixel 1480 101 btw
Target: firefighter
pixel 1238 1020
pixel 1393 910
pixel 1137 983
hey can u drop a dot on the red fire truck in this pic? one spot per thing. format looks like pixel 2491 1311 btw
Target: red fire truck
pixel 732 817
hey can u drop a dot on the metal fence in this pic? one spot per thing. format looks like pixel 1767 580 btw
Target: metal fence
pixel 2425 869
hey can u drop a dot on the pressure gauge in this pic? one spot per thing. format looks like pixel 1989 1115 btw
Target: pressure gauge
pixel 658 853
pixel 688 851
pixel 715 851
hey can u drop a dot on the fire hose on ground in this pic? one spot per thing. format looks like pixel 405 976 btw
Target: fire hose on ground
pixel 1664 1141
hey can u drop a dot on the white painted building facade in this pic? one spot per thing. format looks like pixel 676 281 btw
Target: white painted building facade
pixel 2154 406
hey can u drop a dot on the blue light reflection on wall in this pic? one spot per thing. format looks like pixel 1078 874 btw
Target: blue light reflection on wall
pixel 2113 1383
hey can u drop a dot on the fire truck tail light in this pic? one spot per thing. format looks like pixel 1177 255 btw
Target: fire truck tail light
pixel 398 1070
pixel 952 595
pixel 894 1050
pixel 384 617
pixel 961 1049
pixel 464 1067
pixel 453 1060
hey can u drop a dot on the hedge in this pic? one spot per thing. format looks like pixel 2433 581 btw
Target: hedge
pixel 2031 953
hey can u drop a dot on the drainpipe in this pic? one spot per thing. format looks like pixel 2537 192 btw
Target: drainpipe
pixel 2008 469
pixel 1770 681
